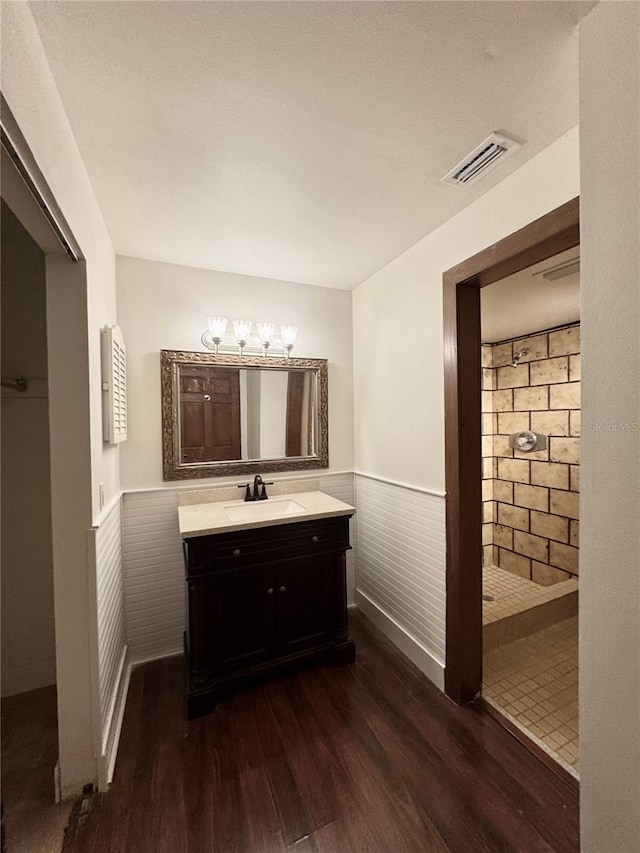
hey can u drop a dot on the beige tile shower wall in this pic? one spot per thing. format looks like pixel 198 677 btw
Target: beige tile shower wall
pixel 531 525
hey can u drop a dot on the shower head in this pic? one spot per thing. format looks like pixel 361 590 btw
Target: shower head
pixel 518 356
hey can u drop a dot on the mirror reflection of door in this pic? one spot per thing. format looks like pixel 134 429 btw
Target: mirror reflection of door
pixel 209 413
pixel 299 403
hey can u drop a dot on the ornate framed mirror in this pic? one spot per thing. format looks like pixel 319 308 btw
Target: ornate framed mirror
pixel 227 414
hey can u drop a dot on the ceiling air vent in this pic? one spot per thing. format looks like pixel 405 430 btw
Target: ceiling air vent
pixel 481 160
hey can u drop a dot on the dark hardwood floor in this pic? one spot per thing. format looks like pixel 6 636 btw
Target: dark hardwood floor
pixel 369 757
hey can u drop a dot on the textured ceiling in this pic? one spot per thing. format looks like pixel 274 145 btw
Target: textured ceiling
pixel 300 141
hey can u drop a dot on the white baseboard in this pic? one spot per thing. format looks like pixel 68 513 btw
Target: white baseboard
pixel 148 658
pixel 107 760
pixel 415 651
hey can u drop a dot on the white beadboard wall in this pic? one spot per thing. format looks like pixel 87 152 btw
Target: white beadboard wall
pixel 154 591
pixel 154 586
pixel 401 568
pixel 341 486
pixel 112 661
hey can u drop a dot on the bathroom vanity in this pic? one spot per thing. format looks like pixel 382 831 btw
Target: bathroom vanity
pixel 266 589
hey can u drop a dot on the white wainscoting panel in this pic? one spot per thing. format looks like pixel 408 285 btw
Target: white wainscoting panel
pixel 112 641
pixel 401 568
pixel 341 487
pixel 154 585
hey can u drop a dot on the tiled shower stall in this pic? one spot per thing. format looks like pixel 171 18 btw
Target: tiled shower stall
pixel 530 536
pixel 531 499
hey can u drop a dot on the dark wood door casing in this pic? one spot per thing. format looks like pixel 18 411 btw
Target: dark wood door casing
pixel 549 235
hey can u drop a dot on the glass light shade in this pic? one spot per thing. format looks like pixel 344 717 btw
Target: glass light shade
pixel 289 335
pixel 266 331
pixel 242 330
pixel 217 326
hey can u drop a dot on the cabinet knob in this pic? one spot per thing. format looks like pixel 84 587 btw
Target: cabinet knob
pixel 283 589
pixel 314 538
pixel 270 591
pixel 237 552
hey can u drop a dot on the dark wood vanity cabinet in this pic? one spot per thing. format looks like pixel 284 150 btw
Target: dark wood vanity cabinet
pixel 262 600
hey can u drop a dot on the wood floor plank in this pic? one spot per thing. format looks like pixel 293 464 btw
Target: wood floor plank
pixel 230 826
pixel 407 770
pixel 368 758
pixel 462 732
pixel 478 820
pixel 356 821
pixel 295 821
pixel 263 823
pixel 200 776
pixel 374 777
pixel 308 758
pixel 332 838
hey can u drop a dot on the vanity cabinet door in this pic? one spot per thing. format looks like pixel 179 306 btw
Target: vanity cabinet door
pixel 242 618
pixel 304 603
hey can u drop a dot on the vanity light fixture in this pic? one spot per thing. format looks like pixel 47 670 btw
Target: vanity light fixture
pixel 242 330
pixel 262 342
pixel 266 331
pixel 217 328
pixel 289 335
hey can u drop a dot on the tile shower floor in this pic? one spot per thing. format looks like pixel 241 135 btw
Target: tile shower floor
pixel 510 594
pixel 534 682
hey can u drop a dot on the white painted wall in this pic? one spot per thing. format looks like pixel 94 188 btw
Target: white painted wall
pixel 610 507
pixel 28 645
pixel 252 413
pixel 164 306
pixel 80 300
pixel 273 413
pixel 398 376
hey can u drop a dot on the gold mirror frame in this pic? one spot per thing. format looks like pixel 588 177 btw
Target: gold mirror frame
pixel 174 469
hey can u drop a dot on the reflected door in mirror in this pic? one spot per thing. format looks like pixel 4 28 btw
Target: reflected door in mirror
pixel 209 414
pixel 299 426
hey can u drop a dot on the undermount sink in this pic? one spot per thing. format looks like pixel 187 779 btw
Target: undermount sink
pixel 263 510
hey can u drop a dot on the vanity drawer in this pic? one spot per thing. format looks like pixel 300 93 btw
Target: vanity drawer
pixel 224 551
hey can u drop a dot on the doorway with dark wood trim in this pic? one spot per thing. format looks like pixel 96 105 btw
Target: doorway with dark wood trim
pixel 553 233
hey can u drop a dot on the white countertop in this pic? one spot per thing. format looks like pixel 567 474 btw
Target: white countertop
pixel 204 518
